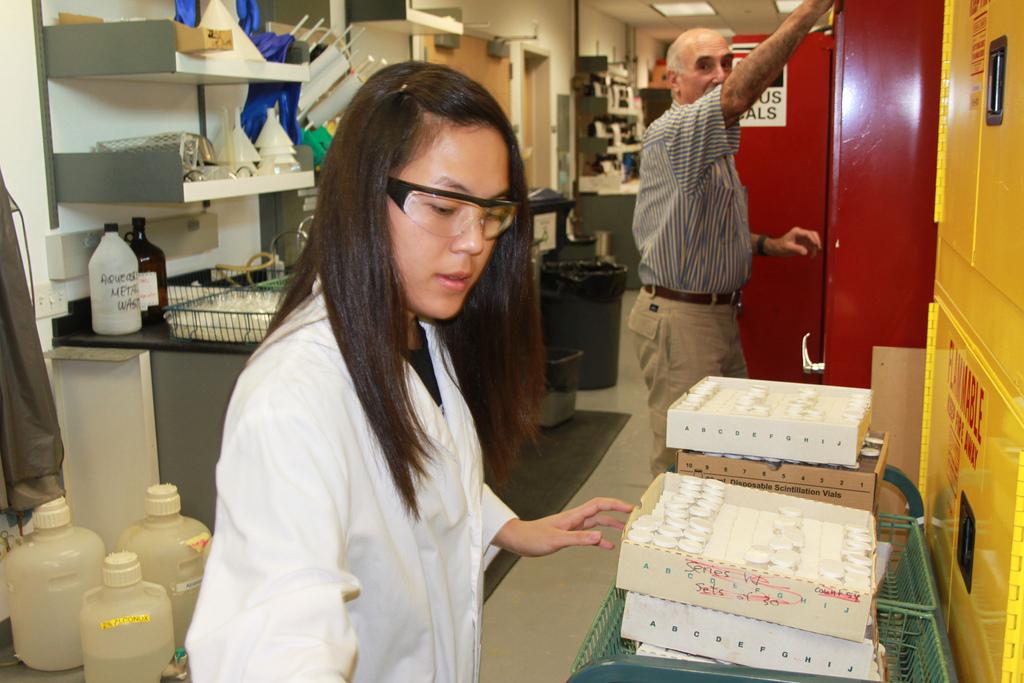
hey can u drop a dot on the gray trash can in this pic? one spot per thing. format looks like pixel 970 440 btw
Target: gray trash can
pixel 581 305
pixel 561 379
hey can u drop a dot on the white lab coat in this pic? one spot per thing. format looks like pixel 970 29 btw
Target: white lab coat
pixel 316 572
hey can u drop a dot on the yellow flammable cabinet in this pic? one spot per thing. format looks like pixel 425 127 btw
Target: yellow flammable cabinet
pixel 972 472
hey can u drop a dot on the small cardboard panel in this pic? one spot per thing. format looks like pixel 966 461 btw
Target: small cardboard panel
pixel 857 488
pixel 200 39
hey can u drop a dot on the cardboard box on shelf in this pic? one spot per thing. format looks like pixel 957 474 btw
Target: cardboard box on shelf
pixel 199 39
pixel 742 640
pixel 810 423
pixel 817 605
pixel 69 18
pixel 857 488
pixel 659 75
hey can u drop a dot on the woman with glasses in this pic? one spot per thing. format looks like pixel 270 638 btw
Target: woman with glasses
pixel 353 524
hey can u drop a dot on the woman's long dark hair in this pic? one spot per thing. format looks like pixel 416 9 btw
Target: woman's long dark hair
pixel 494 342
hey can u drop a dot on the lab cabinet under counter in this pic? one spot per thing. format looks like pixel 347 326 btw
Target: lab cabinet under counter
pixel 140 409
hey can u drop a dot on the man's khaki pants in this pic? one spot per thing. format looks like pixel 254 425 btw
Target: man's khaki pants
pixel 677 345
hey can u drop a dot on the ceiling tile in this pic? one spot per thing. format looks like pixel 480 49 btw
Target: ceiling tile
pixel 741 16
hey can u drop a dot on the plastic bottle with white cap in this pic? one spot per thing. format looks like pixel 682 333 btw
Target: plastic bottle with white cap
pixel 170 548
pixel 126 625
pixel 46 578
pixel 113 285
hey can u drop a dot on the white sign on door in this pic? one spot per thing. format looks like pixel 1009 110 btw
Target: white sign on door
pixel 770 108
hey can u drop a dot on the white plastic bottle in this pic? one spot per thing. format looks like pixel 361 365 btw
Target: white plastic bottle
pixel 46 578
pixel 127 631
pixel 114 285
pixel 171 550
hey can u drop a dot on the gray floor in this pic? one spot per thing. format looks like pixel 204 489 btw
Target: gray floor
pixel 535 621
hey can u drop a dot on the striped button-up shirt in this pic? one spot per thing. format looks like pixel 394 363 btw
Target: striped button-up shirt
pixel 690 223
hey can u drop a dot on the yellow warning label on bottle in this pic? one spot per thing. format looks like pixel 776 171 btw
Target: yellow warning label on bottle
pixel 122 621
pixel 198 542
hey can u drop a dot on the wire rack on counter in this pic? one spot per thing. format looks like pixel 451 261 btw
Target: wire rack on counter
pixel 223 305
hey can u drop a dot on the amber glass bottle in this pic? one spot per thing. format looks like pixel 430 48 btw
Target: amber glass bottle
pixel 152 273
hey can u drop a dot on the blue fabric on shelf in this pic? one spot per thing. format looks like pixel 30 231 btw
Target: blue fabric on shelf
pixel 273 47
pixel 263 96
pixel 185 12
pixel 248 15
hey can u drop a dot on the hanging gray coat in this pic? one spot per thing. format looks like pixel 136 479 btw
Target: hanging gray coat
pixel 31 450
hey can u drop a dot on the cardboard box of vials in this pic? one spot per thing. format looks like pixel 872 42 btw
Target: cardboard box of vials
pixel 742 640
pixel 840 486
pixel 720 573
pixel 802 422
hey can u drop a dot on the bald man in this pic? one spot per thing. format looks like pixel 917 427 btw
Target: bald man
pixel 690 222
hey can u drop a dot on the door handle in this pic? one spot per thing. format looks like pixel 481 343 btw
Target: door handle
pixel 996 86
pixel 809 367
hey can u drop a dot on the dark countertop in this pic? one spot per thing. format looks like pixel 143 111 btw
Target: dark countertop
pixel 151 338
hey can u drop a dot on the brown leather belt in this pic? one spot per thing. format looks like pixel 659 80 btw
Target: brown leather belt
pixel 730 298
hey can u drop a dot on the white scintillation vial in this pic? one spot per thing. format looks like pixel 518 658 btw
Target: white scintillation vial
pixel 857 575
pixel 786 560
pixel 696 535
pixel 794 536
pixel 853 544
pixel 639 535
pixel 676 522
pixel 704 526
pixel 702 511
pixel 691 545
pixel 758 556
pixel 787 511
pixel 715 484
pixel 783 523
pixel 676 509
pixel 645 522
pixel 665 541
pixel 857 557
pixel 833 570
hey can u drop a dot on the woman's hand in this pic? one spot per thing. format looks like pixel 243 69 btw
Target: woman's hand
pixel 570 527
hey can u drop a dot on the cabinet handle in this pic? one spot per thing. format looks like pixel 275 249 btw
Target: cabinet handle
pixel 996 95
pixel 809 367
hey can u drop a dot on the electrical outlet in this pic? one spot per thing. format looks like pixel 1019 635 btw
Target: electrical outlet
pixel 51 300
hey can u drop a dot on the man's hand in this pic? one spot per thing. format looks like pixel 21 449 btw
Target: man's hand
pixel 760 68
pixel 549 534
pixel 796 242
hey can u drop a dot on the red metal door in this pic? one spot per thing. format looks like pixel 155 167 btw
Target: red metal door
pixel 881 235
pixel 785 170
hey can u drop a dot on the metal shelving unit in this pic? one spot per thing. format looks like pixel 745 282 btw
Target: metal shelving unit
pixel 156 178
pixel 146 51
pixel 398 17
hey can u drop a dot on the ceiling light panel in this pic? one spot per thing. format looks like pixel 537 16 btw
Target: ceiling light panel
pixel 786 6
pixel 684 9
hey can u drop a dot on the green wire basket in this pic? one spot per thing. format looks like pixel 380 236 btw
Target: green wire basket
pixel 911 638
pixel 906 627
pixel 908 583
